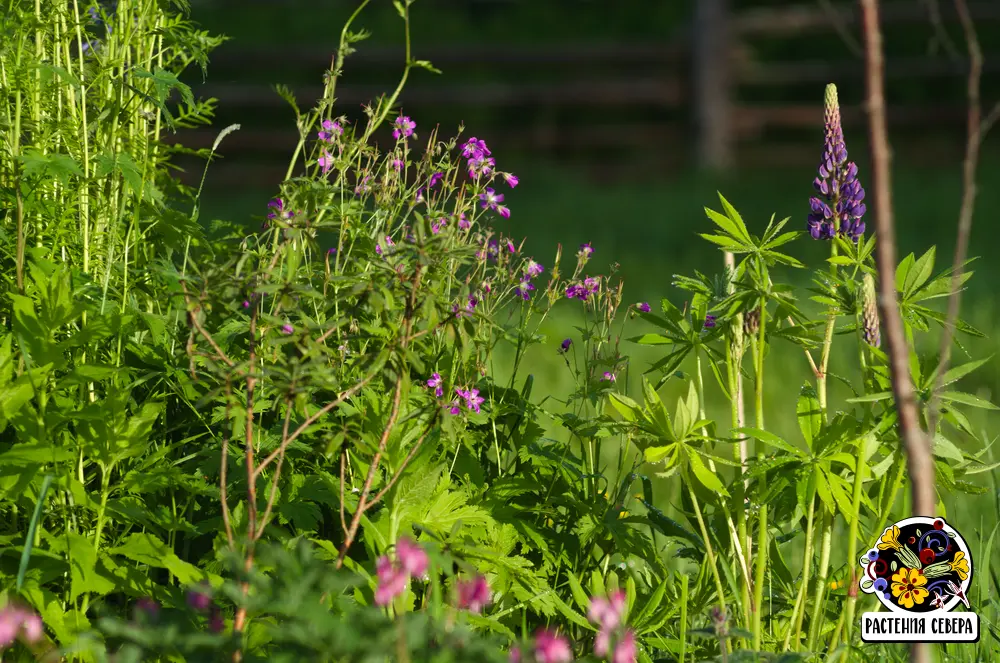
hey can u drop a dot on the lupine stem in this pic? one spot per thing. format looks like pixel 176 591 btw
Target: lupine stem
pixel 852 538
pixel 761 560
pixel 827 525
pixel 759 395
pixel 709 552
pixel 795 625
pixel 737 540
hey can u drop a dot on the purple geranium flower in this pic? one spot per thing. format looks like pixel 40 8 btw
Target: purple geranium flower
pixel 511 179
pixel 643 306
pixel 330 130
pixel 533 269
pixel 436 383
pixel 475 148
pixel 404 127
pixel 490 199
pixel 481 167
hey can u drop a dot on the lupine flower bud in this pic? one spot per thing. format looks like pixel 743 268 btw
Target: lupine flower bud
pixel 869 312
pixel 838 208
pixel 751 322
pixel 736 327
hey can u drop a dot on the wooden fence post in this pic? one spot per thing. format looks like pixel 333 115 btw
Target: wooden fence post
pixel 712 88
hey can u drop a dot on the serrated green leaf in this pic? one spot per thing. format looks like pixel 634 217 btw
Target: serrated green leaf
pixel 705 475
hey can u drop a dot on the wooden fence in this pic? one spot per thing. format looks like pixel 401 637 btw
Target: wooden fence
pixel 650 90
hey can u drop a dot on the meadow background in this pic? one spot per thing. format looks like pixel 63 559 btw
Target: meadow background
pixel 594 107
pixel 640 205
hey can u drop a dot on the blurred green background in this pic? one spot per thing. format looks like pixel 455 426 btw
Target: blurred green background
pixel 641 205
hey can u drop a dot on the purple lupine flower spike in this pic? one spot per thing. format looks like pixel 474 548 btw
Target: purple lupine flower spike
pixel 838 208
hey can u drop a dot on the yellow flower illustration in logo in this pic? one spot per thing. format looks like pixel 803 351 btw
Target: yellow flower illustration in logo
pixel 960 565
pixel 908 587
pixel 890 539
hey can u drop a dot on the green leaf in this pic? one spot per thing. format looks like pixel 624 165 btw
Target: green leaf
pixel 580 596
pixel 871 398
pixel 146 548
pixel 959 372
pixel 628 408
pixel 810 413
pixel 945 448
pixel 737 220
pixel 654 455
pixel 629 597
pixel 84 575
pixel 649 606
pixel 571 614
pixel 122 164
pixel 669 527
pixel 60 166
pixel 652 339
pixel 771 439
pixel 705 475
pixel 34 453
pixel 920 272
pixel 29 539
pixel 597 587
pixel 967 399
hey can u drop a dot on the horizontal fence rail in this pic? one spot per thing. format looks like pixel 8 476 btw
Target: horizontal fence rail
pixel 602 96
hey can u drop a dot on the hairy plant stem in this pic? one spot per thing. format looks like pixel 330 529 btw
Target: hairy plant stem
pixel 737 540
pixel 798 611
pixel 826 525
pixel 758 587
pixel 759 386
pixel 852 538
pixel 831 322
pixel 734 360
pixel 847 616
pixel 709 551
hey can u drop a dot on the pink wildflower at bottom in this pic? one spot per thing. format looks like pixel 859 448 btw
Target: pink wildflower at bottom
pixel 552 648
pixel 411 557
pixel 607 612
pixel 625 651
pixel 391 581
pixel 514 656
pixel 16 621
pixel 474 594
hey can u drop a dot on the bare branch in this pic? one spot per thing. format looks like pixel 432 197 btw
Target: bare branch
pixel 406 461
pixel 310 420
pixel 969 167
pixel 193 318
pixel 372 469
pixel 918 453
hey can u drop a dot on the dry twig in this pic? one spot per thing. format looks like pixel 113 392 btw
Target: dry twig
pixel 918 453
